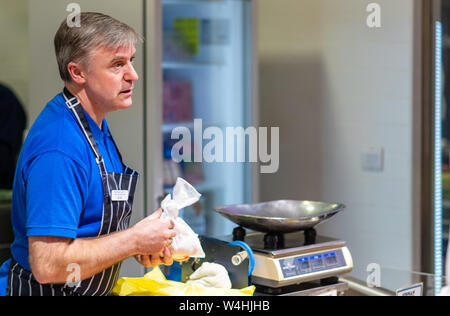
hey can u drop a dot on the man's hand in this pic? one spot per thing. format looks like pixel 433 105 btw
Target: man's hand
pixel 150 261
pixel 164 257
pixel 153 235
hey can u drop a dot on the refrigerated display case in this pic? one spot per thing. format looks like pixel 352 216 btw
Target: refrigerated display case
pixel 207 82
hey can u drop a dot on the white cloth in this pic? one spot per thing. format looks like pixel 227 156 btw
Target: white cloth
pixel 211 275
pixel 186 242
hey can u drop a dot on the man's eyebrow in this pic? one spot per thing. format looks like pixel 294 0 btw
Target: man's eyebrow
pixel 121 57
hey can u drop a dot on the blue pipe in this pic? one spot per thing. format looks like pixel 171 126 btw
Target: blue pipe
pixel 249 250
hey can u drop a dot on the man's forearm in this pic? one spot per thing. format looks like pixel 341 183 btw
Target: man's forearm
pixel 50 257
pixel 92 255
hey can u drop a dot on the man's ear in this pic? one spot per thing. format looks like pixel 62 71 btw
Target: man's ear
pixel 77 72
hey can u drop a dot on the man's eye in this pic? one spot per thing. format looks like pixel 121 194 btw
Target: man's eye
pixel 118 65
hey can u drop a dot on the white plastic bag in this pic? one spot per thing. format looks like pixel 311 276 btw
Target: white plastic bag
pixel 186 242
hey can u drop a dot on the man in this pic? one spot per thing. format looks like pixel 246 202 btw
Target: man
pixel 12 125
pixel 72 194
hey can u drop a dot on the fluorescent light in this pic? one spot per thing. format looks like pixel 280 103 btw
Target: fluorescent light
pixel 438 163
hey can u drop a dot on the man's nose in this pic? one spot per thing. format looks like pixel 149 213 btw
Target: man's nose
pixel 131 74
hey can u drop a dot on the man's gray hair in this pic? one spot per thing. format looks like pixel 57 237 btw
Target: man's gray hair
pixel 76 44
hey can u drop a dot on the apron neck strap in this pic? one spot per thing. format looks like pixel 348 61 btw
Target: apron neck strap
pixel 75 106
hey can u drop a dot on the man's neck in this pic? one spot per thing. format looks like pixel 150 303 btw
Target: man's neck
pixel 92 109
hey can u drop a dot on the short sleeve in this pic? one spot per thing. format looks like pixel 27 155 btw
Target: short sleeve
pixel 56 188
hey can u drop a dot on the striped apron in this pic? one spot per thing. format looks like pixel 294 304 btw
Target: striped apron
pixel 118 195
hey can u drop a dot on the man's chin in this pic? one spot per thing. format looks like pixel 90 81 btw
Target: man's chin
pixel 124 103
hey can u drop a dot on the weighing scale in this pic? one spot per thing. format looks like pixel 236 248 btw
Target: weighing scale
pixel 289 257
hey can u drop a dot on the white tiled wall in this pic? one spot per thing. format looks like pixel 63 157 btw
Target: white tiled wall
pixel 352 86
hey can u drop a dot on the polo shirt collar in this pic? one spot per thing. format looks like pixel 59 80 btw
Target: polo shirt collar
pixel 96 131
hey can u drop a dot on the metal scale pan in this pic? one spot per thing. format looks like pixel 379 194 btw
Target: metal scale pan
pixel 283 216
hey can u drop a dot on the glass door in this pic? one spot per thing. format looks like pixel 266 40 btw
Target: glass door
pixel 206 82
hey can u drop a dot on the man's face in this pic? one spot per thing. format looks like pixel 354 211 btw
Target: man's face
pixel 110 78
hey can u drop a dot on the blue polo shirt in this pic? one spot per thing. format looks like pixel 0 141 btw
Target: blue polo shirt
pixel 57 187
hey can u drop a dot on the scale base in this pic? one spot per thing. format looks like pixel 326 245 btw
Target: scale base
pixel 305 289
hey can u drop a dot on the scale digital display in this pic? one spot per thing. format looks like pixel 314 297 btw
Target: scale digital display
pixel 313 263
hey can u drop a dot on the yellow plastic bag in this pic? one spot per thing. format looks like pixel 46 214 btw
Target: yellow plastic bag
pixel 154 283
